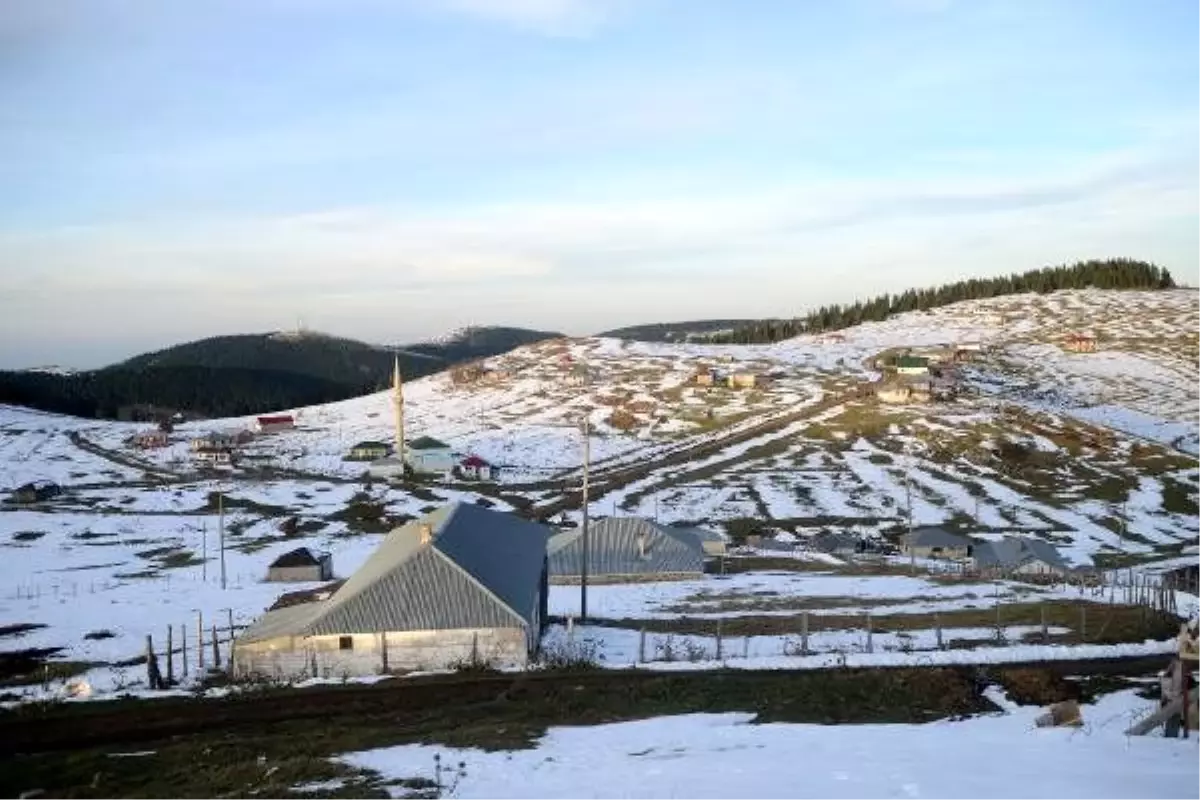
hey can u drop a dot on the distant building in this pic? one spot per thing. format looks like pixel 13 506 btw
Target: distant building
pixel 214 456
pixel 1020 555
pixel 838 544
pixel 148 440
pixel 1080 343
pixel 462 584
pixel 301 564
pixel 705 378
pixel 742 380
pixel 474 468
pixel 35 492
pixel 912 365
pixel 214 440
pixel 935 542
pixel 369 451
pixel 622 549
pixel 275 423
pixel 428 456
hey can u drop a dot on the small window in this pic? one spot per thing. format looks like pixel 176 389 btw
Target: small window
pixel 345 643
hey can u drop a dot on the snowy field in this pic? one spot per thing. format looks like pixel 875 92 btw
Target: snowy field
pixel 729 755
pixel 1093 452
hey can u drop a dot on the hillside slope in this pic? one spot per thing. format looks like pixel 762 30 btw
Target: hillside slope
pixel 233 375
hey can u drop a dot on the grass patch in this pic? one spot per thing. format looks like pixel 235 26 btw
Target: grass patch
pixel 1106 624
pixel 1178 498
pixel 28 536
pixel 213 748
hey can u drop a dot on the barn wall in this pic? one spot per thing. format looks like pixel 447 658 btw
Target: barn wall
pixel 284 574
pixel 638 577
pixel 293 657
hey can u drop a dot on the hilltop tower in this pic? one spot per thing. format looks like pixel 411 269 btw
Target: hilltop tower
pixel 398 401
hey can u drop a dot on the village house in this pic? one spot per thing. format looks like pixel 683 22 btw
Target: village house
pixel 428 456
pixel 369 451
pixel 474 468
pixel 301 564
pixel 148 440
pixel 461 585
pixel 704 378
pixel 275 423
pixel 215 440
pixel 838 544
pixel 214 456
pixel 35 492
pixel 912 365
pixel 622 549
pixel 936 542
pixel 742 380
pixel 1080 343
pixel 1019 555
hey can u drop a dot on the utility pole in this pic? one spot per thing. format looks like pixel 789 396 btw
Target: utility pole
pixel 583 573
pixel 1123 524
pixel 912 551
pixel 204 551
pixel 221 529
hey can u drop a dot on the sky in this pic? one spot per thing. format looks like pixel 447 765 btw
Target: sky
pixel 392 169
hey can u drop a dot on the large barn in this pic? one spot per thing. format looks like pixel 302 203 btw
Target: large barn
pixel 626 549
pixel 462 584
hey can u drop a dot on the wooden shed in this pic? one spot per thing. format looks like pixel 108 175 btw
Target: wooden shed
pixel 301 564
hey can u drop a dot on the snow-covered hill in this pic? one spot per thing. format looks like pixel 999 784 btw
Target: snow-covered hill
pixel 1093 451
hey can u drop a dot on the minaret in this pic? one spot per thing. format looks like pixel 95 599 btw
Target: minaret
pixel 398 400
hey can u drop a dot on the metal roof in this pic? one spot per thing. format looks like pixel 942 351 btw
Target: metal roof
pixel 613 549
pixel 480 569
pixel 936 537
pixel 1013 551
pixel 300 557
pixel 427 443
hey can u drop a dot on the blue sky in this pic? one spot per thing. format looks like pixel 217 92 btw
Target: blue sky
pixel 389 169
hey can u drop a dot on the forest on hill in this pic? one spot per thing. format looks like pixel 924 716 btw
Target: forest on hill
pixel 246 374
pixel 1100 274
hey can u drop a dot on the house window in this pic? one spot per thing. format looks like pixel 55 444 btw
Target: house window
pixel 345 643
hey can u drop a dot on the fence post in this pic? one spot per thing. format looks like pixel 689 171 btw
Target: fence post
pixel 642 646
pixel 937 623
pixel 384 651
pixel 200 643
pixel 170 657
pixel 804 634
pixel 870 642
pixel 746 647
pixel 153 678
pixel 1045 627
pixel 216 648
pixel 183 649
pixel 475 648
pixel 718 638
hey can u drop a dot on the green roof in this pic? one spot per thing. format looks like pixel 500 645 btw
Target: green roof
pixel 427 443
pixel 371 446
pixel 912 361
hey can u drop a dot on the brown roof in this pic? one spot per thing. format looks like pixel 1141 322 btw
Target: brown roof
pixel 305 595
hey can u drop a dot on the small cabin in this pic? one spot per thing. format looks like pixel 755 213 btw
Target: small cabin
pixel 301 564
pixel 369 451
pixel 275 423
pixel 149 440
pixel 474 468
pixel 429 456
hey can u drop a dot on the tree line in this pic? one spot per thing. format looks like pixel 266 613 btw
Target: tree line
pixel 1120 273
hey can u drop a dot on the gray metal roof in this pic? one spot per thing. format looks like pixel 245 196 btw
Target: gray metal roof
pixel 481 569
pixel 613 549
pixel 936 537
pixel 703 534
pixel 1013 551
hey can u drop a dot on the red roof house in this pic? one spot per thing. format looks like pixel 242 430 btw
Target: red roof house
pixel 277 422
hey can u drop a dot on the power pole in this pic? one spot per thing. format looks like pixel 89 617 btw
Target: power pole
pixel 583 573
pixel 204 550
pixel 221 530
pixel 912 551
